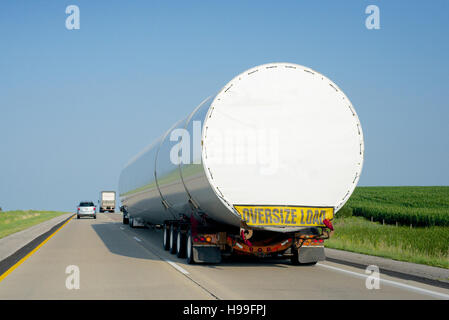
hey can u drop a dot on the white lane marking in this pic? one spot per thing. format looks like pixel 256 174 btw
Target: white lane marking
pixel 393 283
pixel 174 265
pixel 177 267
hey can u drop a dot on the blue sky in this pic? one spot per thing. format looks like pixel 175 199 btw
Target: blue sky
pixel 76 105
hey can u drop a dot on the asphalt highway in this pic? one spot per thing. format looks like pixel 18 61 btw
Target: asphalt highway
pixel 117 262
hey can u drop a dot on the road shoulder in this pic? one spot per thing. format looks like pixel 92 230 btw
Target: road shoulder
pixel 17 245
pixel 405 270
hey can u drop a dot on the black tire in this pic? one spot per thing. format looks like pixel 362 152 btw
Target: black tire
pixel 77 216
pixel 101 210
pixel 95 216
pixel 125 220
pixel 189 248
pixel 166 237
pixel 181 244
pixel 173 234
pixel 294 258
pixel 131 222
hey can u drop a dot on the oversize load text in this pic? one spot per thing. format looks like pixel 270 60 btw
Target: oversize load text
pixel 283 215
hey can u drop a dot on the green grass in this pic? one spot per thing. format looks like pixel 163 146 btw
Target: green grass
pixel 14 221
pixel 426 208
pixel 425 245
pixel 419 206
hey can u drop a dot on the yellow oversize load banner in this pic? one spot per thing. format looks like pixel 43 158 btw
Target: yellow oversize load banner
pixel 284 215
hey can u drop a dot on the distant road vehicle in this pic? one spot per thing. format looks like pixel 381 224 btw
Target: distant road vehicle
pixel 86 208
pixel 107 201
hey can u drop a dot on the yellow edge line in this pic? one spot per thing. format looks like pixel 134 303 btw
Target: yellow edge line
pixel 18 263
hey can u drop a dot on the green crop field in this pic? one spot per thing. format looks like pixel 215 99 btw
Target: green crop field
pixel 14 221
pixel 393 210
pixel 418 206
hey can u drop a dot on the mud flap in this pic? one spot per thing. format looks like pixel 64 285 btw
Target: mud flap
pixel 206 254
pixel 311 254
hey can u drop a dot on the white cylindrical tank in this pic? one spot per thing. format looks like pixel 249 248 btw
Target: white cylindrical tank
pixel 277 135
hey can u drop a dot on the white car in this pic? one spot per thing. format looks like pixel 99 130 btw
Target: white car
pixel 86 208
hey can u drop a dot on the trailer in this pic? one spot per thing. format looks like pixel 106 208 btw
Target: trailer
pixel 259 169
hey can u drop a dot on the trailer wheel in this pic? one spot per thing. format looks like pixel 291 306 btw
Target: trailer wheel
pixel 181 244
pixel 294 258
pixel 189 249
pixel 173 233
pixel 166 240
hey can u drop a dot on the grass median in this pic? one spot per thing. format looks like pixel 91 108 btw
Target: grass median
pixel 15 221
pixel 400 223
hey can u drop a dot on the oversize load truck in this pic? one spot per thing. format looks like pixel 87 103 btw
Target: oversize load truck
pixel 107 201
pixel 260 168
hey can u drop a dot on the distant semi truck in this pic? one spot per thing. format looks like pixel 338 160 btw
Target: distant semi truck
pixel 267 163
pixel 107 201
